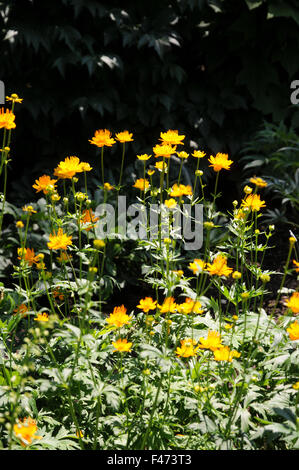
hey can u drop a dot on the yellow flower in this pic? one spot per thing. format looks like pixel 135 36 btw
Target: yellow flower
pixel 259 182
pixel 236 275
pixel 119 317
pixel 296 386
pixel 171 138
pixel 164 151
pixel 219 267
pixel 297 266
pixel 168 305
pixel 144 157
pixel 247 189
pixel 293 303
pixel 189 306
pixel 220 162
pixel 68 168
pixel 180 190
pixel 7 119
pixel 253 202
pixel 170 203
pixel 161 166
pixel 197 266
pixel 19 224
pixel 124 136
pixel 122 345
pixel 198 154
pixel 212 342
pixel 293 331
pixel 98 244
pixel 183 155
pixel 29 209
pixel 225 354
pixel 150 172
pixel 28 255
pixel 101 138
pixel 44 183
pixel 187 348
pixel 42 317
pixel 147 304
pixel 88 219
pixel 26 431
pixel 108 187
pixel 14 98
pixel 86 166
pixel 59 241
pixel 141 184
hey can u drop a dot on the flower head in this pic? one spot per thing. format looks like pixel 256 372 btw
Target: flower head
pixel 14 98
pixel 28 255
pixel 170 203
pixel 293 303
pixel 68 168
pixel 225 354
pixel 161 166
pixel 22 310
pixel 212 342
pixel 7 119
pixel 171 138
pixel 189 306
pixel 147 304
pixel 42 317
pixel 180 190
pixel 253 202
pixel 29 209
pixel 85 166
pixel 26 431
pixel 293 331
pixel 219 267
pixel 296 265
pixel 144 157
pixel 183 155
pixel 220 162
pixel 101 138
pixel 119 317
pixel 45 184
pixel 88 219
pixel 164 150
pixel 187 348
pixel 124 136
pixel 259 182
pixel 197 266
pixel 198 154
pixel 122 345
pixel 168 305
pixel 141 184
pixel 59 240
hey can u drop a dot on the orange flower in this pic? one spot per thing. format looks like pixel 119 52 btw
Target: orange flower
pixel 44 183
pixel 28 255
pixel 220 162
pixel 21 310
pixel 124 136
pixel 259 182
pixel 68 168
pixel 119 317
pixel 26 431
pixel 297 265
pixel 7 119
pixel 189 306
pixel 59 241
pixel 168 305
pixel 293 303
pixel 108 187
pixel 141 184
pixel 89 219
pixel 197 266
pixel 212 342
pixel 14 98
pixel 102 137
pixel 122 345
pixel 180 190
pixel 293 331
pixel 219 267
pixel 253 202
pixel 164 151
pixel 147 304
pixel 171 138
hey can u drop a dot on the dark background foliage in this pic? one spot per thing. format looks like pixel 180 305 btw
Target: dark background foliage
pixel 214 70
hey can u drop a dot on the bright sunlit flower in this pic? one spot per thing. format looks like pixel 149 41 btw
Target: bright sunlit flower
pixel 180 190
pixel 253 202
pixel 141 184
pixel 124 136
pixel 19 224
pixel 122 345
pixel 28 255
pixel 29 209
pixel 101 138
pixel 14 98
pixel 26 431
pixel 119 317
pixel 220 162
pixel 212 342
pixel 187 348
pixel 168 305
pixel 108 187
pixel 59 240
pixel 198 154
pixel 296 265
pixel 45 184
pixel 259 182
pixel 161 166
pixel 293 331
pixel 219 267
pixel 147 304
pixel 197 266
pixel 88 219
pixel 189 306
pixel 171 138
pixel 293 303
pixel 144 157
pixel 86 166
pixel 164 151
pixel 183 155
pixel 42 317
pixel 7 119
pixel 170 203
pixel 68 168
pixel 225 354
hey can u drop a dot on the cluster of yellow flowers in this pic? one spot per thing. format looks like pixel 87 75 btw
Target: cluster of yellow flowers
pixel 212 342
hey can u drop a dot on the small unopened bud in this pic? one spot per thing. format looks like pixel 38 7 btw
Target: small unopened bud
pixel 265 278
